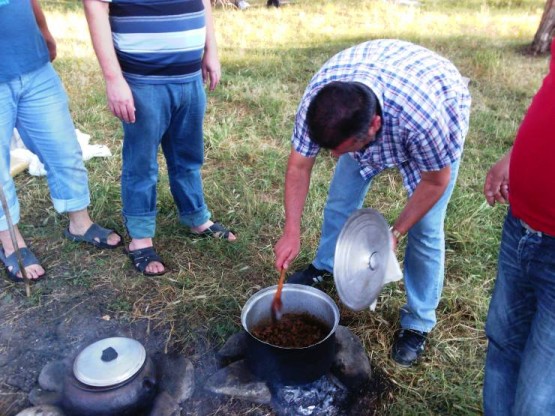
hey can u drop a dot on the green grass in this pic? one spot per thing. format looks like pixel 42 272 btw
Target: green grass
pixel 268 56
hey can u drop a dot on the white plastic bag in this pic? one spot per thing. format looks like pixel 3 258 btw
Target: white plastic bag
pixel 20 156
pixel 393 273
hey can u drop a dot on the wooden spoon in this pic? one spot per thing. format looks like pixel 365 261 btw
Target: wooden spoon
pixel 276 302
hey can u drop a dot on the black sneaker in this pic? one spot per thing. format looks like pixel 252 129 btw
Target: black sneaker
pixel 311 276
pixel 408 347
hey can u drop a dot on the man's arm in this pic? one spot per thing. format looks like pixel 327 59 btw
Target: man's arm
pixel 43 26
pixel 297 182
pixel 429 190
pixel 120 99
pixel 496 186
pixel 211 69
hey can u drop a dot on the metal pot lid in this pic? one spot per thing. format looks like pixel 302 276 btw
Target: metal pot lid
pixel 361 255
pixel 109 361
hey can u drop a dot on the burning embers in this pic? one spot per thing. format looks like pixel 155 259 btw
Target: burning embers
pixel 325 396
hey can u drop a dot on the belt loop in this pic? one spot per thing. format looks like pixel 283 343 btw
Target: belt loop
pixel 530 229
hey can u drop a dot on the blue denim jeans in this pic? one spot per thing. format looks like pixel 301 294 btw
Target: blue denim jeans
pixel 425 252
pixel 171 115
pixel 520 363
pixel 36 103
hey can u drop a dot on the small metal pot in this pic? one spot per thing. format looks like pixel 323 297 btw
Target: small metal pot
pixel 290 365
pixel 110 377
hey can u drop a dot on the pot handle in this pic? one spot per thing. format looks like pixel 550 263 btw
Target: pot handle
pixel 149 383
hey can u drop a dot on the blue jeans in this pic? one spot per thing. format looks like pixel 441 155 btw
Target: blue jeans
pixel 36 103
pixel 520 362
pixel 425 252
pixel 171 115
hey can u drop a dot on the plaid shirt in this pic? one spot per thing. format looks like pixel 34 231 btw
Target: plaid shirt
pixel 425 107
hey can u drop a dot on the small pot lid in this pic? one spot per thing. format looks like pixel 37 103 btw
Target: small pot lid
pixel 109 361
pixel 361 255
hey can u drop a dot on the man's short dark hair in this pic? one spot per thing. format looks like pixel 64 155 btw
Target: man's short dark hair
pixel 339 111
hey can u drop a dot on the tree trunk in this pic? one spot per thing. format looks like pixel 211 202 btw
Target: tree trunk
pixel 542 40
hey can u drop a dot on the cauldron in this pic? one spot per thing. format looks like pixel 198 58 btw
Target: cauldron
pixel 290 365
pixel 110 377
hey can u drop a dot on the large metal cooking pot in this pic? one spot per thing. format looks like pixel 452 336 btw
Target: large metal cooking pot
pixel 290 365
pixel 110 377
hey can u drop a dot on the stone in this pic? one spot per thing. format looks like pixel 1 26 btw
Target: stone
pixel 41 411
pixel 39 396
pixel 52 376
pixel 237 381
pixel 165 405
pixel 351 364
pixel 177 376
pixel 234 348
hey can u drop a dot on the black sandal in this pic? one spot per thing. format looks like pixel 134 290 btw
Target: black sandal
pixel 216 230
pixel 95 235
pixel 12 265
pixel 142 257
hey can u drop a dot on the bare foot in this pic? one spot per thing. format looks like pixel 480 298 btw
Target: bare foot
pixel 138 243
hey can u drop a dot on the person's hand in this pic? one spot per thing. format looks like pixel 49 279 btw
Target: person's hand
pixel 51 45
pixel 496 186
pixel 394 242
pixel 211 70
pixel 395 237
pixel 286 250
pixel 120 100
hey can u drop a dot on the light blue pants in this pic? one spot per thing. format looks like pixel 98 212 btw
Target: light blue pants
pixel 425 253
pixel 36 104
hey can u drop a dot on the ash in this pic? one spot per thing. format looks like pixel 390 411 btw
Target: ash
pixel 325 396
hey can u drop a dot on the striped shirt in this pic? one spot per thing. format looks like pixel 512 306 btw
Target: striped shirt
pixel 158 41
pixel 425 107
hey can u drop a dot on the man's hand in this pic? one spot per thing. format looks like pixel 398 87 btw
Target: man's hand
pixel 120 100
pixel 395 238
pixel 211 70
pixel 286 250
pixel 496 186
pixel 51 45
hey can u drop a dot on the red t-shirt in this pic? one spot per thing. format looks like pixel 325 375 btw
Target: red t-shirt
pixel 532 167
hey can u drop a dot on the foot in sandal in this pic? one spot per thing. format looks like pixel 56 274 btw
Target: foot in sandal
pixel 214 230
pixel 33 269
pixel 144 258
